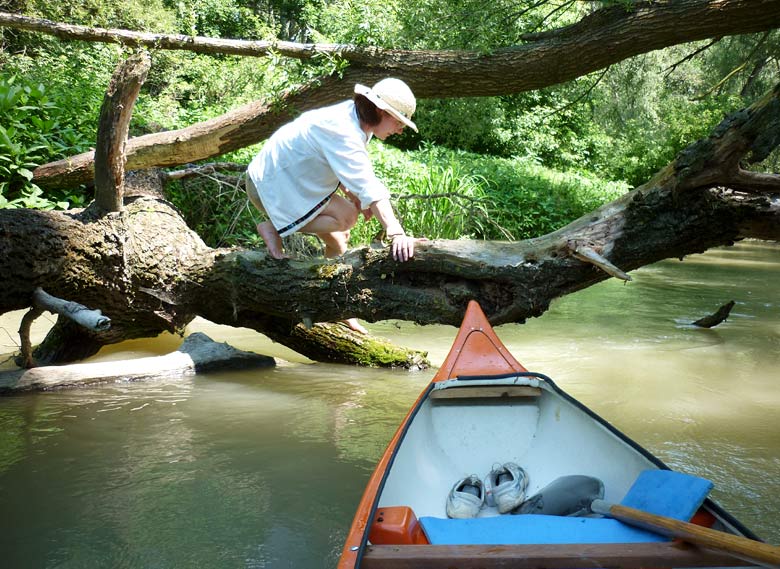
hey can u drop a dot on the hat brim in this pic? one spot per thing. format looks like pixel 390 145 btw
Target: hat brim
pixel 368 93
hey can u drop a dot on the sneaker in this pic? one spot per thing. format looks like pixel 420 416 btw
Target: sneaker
pixel 505 486
pixel 466 498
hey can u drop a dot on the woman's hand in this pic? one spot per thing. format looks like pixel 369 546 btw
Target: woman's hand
pixel 402 247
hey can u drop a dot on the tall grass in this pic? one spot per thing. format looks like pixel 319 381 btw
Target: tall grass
pixel 440 193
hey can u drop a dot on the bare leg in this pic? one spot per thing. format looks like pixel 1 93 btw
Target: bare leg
pixel 355 325
pixel 272 240
pixel 335 243
pixel 332 226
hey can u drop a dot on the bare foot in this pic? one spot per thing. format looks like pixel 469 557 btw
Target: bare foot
pixel 272 240
pixel 355 325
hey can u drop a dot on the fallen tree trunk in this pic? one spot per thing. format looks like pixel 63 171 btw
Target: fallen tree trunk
pixel 198 354
pixel 146 270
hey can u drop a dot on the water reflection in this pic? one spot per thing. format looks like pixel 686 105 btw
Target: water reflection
pixel 264 468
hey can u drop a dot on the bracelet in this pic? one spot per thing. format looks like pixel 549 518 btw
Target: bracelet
pixel 394 235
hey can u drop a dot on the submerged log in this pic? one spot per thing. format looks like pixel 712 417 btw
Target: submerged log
pixel 714 319
pixel 198 354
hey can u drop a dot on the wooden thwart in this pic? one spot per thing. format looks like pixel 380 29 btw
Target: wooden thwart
pixel 486 391
pixel 617 555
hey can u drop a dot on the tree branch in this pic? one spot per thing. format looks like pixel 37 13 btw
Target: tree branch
pixel 113 125
pixel 755 182
pixel 197 44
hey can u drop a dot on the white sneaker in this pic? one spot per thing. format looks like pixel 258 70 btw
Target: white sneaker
pixel 505 486
pixel 466 498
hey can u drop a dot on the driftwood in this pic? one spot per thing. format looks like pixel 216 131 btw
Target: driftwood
pixel 198 354
pixel 714 319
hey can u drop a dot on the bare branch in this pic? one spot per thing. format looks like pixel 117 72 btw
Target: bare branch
pixel 27 360
pixel 734 71
pixel 197 44
pixel 669 70
pixel 90 319
pixel 589 255
pixel 202 170
pixel 755 182
pixel 580 97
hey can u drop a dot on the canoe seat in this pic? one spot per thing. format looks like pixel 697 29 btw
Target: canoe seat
pixel 531 529
pixel 479 392
pixel 662 492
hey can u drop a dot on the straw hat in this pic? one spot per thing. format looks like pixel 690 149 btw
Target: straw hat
pixel 393 96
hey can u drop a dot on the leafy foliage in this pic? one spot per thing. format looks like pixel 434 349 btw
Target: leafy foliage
pixel 520 165
pixel 32 131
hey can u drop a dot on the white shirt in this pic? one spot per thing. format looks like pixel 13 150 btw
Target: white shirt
pixel 304 161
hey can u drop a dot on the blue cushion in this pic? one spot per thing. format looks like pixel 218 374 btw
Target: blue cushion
pixel 531 528
pixel 667 493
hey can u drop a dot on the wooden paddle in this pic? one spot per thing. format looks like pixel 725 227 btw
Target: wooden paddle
pixel 741 547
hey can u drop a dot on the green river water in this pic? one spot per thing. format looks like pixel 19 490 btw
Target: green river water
pixel 264 468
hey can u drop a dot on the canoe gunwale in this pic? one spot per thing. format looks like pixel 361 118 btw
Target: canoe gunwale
pixel 659 555
pixel 709 503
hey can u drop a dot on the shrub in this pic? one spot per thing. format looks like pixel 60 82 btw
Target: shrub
pixel 32 132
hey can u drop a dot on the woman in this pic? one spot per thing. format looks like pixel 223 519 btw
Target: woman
pixel 296 176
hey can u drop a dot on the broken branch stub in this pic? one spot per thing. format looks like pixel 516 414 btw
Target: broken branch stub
pixel 113 126
pixel 714 319
pixel 80 314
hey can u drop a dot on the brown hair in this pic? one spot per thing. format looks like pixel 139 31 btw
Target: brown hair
pixel 368 113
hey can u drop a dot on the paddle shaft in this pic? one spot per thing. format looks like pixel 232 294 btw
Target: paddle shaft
pixel 748 549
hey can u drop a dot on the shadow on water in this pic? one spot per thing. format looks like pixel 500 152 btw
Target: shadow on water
pixel 264 469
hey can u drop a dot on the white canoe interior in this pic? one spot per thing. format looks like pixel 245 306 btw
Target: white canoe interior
pixel 521 420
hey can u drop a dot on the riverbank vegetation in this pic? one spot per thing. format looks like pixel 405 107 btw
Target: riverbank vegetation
pixel 509 167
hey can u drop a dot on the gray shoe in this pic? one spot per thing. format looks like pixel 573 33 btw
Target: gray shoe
pixel 466 498
pixel 505 486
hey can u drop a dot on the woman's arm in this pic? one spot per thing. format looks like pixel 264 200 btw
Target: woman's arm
pixel 402 244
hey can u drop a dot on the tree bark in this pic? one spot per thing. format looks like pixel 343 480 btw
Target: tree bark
pixel 148 272
pixel 600 39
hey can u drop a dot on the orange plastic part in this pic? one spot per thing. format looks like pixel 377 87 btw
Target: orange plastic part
pixel 703 518
pixel 396 525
